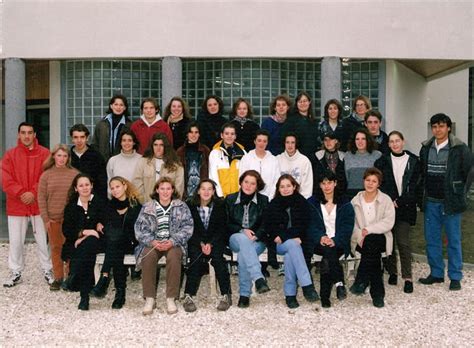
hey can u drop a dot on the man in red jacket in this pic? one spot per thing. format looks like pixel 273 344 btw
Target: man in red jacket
pixel 21 169
pixel 150 122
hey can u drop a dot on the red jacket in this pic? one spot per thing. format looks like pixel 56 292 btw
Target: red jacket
pixel 145 133
pixel 21 170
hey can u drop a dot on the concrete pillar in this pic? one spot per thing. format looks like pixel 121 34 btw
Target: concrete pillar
pixel 171 79
pixel 55 119
pixel 330 79
pixel 15 99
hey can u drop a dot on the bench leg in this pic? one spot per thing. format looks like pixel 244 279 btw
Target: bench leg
pixel 212 281
pixel 97 268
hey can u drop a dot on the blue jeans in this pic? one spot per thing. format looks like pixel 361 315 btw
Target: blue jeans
pixel 249 264
pixel 435 219
pixel 295 266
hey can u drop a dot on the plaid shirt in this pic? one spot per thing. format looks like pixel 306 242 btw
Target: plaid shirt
pixel 205 217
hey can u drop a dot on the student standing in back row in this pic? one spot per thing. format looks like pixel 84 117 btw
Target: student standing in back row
pixel 445 164
pixel 21 169
pixel 150 122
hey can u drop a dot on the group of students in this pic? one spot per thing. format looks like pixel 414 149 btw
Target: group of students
pixel 189 190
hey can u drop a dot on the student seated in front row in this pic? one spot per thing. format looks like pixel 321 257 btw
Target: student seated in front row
pixel 163 228
pixel 247 235
pixel 207 242
pixel 331 228
pixel 286 221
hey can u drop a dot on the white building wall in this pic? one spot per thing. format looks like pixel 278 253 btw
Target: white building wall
pixel 406 104
pixel 239 28
pixel 450 95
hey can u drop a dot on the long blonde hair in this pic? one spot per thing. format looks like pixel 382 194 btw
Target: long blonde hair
pixel 131 192
pixel 49 163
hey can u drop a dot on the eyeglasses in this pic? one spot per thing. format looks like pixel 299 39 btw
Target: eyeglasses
pixel 303 101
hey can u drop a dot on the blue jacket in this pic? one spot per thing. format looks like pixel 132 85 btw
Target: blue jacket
pixel 344 224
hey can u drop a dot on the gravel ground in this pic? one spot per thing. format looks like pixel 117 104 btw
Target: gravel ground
pixel 31 315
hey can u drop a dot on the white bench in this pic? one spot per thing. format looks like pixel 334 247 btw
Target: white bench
pixel 348 264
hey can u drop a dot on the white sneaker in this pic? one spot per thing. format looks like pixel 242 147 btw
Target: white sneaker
pixel 149 306
pixel 171 306
pixel 49 277
pixel 13 279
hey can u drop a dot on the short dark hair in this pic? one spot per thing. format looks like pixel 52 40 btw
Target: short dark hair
pixel 291 134
pixel 150 100
pixel 123 99
pixel 374 171
pixel 79 127
pixel 310 110
pixel 262 132
pixel 193 124
pixel 228 125
pixel 371 144
pixel 128 132
pixel 165 179
pixel 330 176
pixel 440 118
pixel 286 177
pixel 26 124
pixel 373 113
pixel 256 175
pixel 339 108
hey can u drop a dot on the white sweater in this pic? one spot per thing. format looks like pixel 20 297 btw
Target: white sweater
pixel 299 167
pixel 268 168
pixel 123 165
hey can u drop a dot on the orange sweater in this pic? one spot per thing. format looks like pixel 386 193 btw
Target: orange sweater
pixel 54 184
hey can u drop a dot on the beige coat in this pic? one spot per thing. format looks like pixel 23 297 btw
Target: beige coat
pixel 385 219
pixel 144 178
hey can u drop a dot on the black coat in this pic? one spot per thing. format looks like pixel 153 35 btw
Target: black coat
pixel 215 234
pixel 210 128
pixel 349 126
pixel 277 218
pixel 121 228
pixel 92 163
pixel 246 133
pixel 320 166
pixel 406 202
pixel 77 219
pixel 458 167
pixel 307 131
pixel 235 213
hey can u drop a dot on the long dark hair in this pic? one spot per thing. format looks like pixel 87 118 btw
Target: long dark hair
pixel 123 99
pixel 72 193
pixel 196 199
pixel 371 144
pixel 170 158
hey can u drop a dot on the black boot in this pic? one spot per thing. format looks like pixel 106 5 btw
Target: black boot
pixel 119 300
pixel 84 304
pixel 100 289
pixel 70 283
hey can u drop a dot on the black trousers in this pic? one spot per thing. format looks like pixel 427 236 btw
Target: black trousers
pixel 115 251
pixel 370 269
pixel 331 268
pixel 84 261
pixel 197 267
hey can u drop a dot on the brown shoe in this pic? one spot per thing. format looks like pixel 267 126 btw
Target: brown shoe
pixel 224 303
